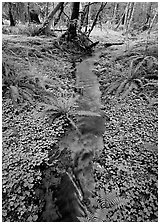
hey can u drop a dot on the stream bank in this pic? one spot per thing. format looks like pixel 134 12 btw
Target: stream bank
pixel 84 146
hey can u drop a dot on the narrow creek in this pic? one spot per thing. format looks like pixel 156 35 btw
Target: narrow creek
pixel 65 203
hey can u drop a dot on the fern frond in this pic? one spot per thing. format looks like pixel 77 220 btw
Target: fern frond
pixel 121 86
pixel 29 91
pixel 51 108
pixel 128 91
pixel 113 86
pixel 8 75
pixel 126 86
pixel 144 97
pixel 151 84
pixel 28 86
pixel 91 217
pixel 120 202
pixel 73 124
pixel 110 200
pixel 147 58
pixel 131 72
pixel 138 82
pixel 98 216
pixel 27 96
pixel 61 105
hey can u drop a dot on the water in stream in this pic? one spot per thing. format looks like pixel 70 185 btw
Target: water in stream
pixel 84 146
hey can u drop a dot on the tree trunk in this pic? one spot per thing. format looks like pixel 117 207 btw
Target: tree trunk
pixel 120 21
pixel 149 30
pixel 115 11
pixel 133 4
pixel 96 17
pixel 47 4
pixel 12 22
pixel 45 29
pixel 87 17
pixel 59 16
pixel 29 20
pixel 126 15
pixel 123 19
pixel 75 11
pixel 148 14
pixel 84 15
pixel 72 30
pixel 151 23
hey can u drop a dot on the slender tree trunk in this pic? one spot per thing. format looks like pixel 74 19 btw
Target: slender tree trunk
pixel 120 21
pixel 149 30
pixel 148 14
pixel 115 11
pixel 126 15
pixel 96 17
pixel 12 22
pixel 29 20
pixel 49 21
pixel 152 21
pixel 83 16
pixel 59 16
pixel 131 14
pixel 87 17
pixel 75 11
pixel 123 19
pixel 72 30
pixel 47 4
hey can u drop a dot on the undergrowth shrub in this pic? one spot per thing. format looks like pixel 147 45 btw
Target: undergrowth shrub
pixel 21 29
pixel 66 104
pixel 143 72
pixel 105 204
pixel 23 88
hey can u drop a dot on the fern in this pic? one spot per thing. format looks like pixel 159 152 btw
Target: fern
pixel 121 86
pixel 60 106
pixel 151 84
pixel 137 66
pixel 23 87
pixel 128 90
pixel 68 107
pixel 114 86
pixel 147 59
pixel 107 202
pixel 131 68
pixel 98 216
pixel 110 200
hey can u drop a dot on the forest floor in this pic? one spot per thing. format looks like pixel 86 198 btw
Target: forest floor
pixel 128 162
